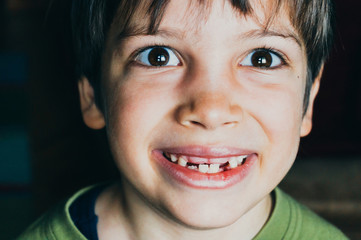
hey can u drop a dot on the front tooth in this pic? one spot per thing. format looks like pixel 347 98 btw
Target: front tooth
pixel 203 168
pixel 182 161
pixel 233 162
pixel 213 168
pixel 240 159
pixel 173 158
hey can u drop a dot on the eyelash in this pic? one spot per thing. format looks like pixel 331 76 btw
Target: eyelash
pixel 281 56
pixel 273 53
pixel 136 53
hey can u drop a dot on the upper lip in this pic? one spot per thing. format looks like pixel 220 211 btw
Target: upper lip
pixel 207 151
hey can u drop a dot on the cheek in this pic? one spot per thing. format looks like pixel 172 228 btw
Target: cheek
pixel 142 100
pixel 280 118
pixel 283 116
pixel 130 120
pixel 278 105
pixel 133 115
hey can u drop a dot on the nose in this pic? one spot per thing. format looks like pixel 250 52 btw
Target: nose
pixel 209 110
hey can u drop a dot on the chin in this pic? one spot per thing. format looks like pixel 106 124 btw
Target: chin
pixel 207 220
pixel 205 214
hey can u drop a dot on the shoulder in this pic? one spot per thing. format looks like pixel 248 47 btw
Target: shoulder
pixel 57 223
pixel 292 220
pixel 305 224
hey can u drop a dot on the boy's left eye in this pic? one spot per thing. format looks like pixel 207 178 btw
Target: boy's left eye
pixel 263 58
pixel 158 57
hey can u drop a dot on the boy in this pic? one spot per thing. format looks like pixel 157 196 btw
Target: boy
pixel 204 103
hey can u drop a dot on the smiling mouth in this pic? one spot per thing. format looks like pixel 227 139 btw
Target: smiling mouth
pixel 206 165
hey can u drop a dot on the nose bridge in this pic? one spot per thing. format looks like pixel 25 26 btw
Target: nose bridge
pixel 212 73
pixel 208 100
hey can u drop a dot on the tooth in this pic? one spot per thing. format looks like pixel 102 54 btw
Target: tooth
pixel 240 159
pixel 192 167
pixel 233 162
pixel 213 168
pixel 182 161
pixel 203 168
pixel 173 158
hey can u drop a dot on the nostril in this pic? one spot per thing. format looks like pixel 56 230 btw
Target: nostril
pixel 191 122
pixel 230 124
pixel 196 123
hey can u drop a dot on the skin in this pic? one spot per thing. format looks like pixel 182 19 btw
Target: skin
pixel 212 98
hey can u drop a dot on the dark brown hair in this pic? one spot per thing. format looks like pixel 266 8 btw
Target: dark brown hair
pixel 92 19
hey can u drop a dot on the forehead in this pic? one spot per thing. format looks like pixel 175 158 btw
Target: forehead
pixel 189 17
pixel 194 18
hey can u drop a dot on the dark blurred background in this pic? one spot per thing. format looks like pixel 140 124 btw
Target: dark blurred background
pixel 47 153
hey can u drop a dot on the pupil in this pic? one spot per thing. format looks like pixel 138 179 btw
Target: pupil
pixel 158 56
pixel 262 59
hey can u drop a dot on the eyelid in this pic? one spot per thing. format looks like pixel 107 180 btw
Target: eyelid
pixel 282 57
pixel 279 54
pixel 142 49
pixel 139 51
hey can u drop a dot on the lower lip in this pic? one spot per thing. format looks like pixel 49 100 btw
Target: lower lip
pixel 200 180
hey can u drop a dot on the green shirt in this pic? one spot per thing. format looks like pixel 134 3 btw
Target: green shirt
pixel 289 220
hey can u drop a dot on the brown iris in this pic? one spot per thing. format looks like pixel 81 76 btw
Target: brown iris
pixel 262 59
pixel 158 56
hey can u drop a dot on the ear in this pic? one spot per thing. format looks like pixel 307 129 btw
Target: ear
pixel 92 115
pixel 307 118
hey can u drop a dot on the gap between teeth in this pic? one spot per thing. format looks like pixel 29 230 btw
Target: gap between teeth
pixel 206 168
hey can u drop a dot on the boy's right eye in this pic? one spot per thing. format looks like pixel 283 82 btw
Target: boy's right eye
pixel 157 56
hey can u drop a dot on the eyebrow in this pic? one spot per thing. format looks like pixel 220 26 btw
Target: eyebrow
pixel 159 32
pixel 270 33
pixel 256 33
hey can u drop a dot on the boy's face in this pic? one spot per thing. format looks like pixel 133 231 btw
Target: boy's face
pixel 216 89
